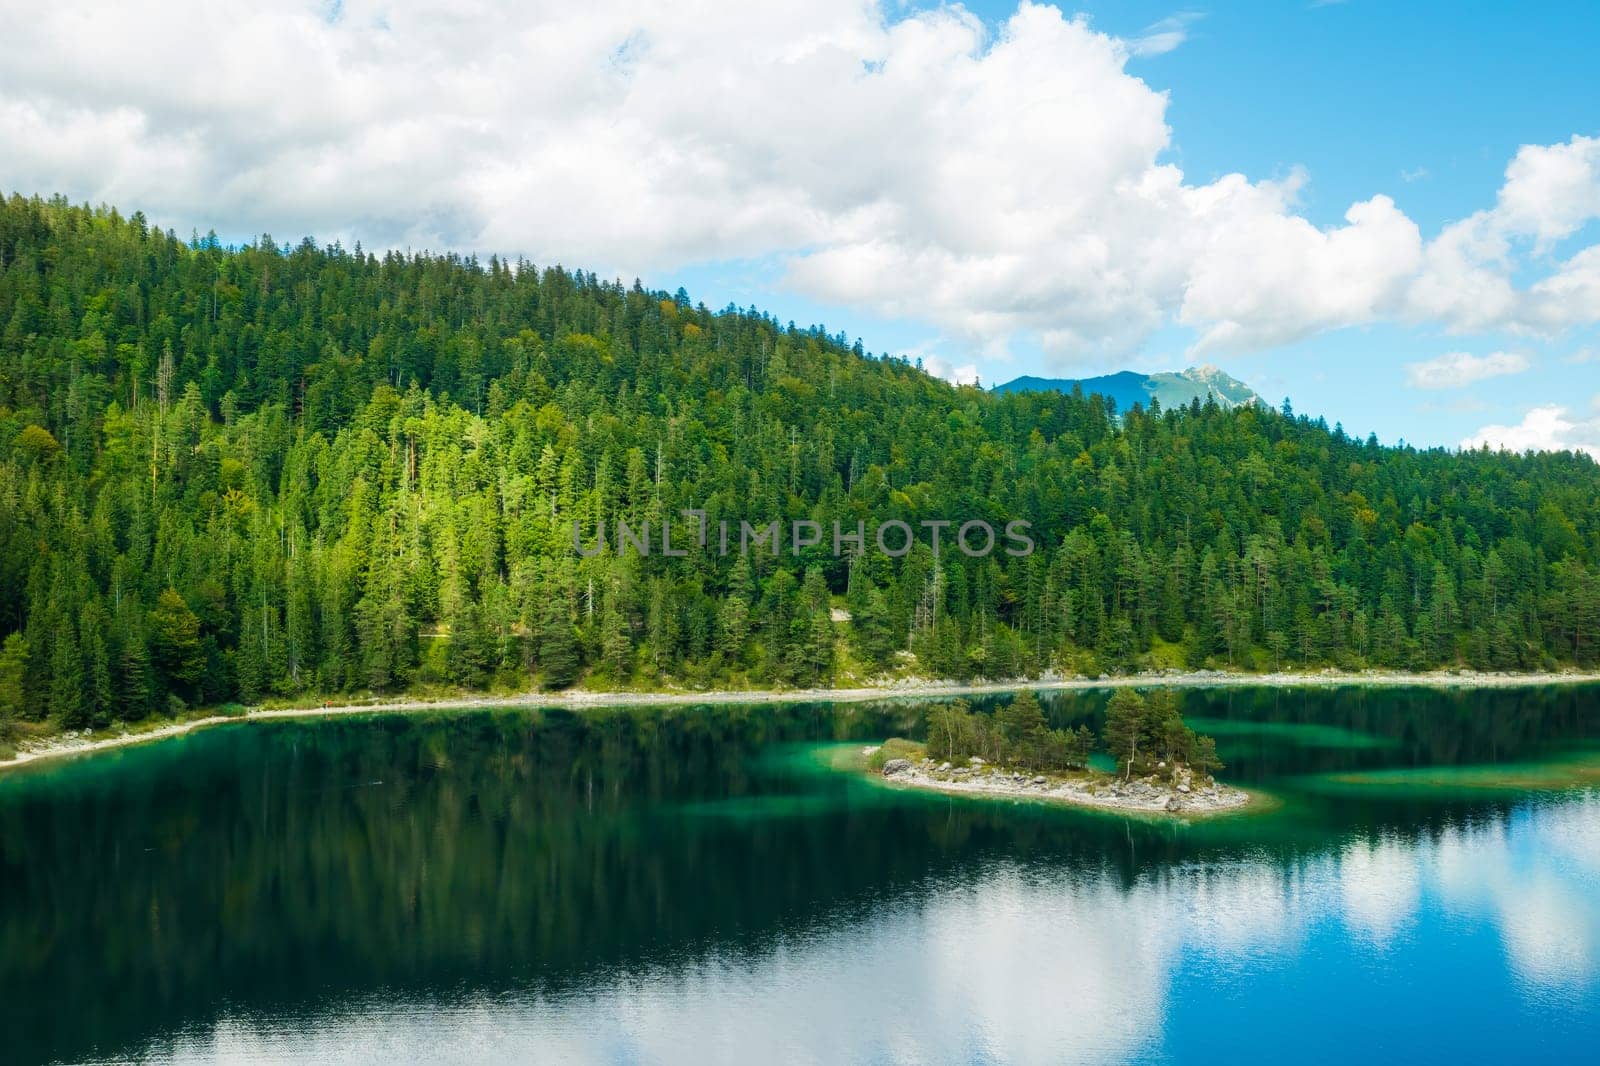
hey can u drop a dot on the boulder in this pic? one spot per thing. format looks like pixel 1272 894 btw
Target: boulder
pixel 1183 788
pixel 1174 803
pixel 896 766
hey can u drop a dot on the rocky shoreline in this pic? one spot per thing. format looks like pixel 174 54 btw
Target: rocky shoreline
pixel 1188 794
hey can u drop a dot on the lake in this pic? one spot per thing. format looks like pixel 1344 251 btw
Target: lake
pixel 689 885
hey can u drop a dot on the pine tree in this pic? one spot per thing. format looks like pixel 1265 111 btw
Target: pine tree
pixel 66 698
pixel 175 642
pixel 99 694
pixel 1021 718
pixel 559 661
pixel 1123 734
pixel 13 673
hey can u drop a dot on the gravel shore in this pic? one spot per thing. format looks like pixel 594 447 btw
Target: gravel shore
pixel 1187 795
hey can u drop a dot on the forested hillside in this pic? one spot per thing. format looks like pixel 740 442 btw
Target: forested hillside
pixel 232 473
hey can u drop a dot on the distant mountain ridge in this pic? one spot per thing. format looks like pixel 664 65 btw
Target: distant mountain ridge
pixel 1126 387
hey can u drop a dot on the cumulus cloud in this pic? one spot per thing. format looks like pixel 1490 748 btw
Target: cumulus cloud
pixel 1551 190
pixel 992 182
pixel 1550 428
pixel 1549 194
pixel 1459 369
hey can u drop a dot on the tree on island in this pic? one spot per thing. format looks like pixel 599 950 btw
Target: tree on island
pixel 1018 734
pixel 1143 733
pixel 1124 731
pixel 1021 719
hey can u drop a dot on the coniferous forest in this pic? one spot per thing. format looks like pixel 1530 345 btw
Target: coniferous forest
pixel 229 474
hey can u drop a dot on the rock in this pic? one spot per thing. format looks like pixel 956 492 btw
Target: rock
pixel 944 767
pixel 1039 780
pixel 975 761
pixel 1174 803
pixel 1183 788
pixel 896 766
pixel 1161 766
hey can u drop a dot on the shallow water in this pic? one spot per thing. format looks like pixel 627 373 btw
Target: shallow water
pixel 695 885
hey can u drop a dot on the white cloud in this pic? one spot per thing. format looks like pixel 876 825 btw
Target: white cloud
pixel 919 165
pixel 938 366
pixel 1162 37
pixel 1459 369
pixel 1265 276
pixel 1550 193
pixel 1550 428
pixel 1551 190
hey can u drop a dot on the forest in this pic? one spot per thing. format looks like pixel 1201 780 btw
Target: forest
pixel 231 474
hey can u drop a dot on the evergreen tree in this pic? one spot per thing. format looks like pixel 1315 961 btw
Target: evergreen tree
pixel 558 648
pixel 1124 731
pixel 175 642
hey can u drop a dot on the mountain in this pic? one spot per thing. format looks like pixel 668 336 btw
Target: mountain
pixel 1126 388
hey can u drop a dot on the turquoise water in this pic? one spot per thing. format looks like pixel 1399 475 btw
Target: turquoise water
pixel 697 885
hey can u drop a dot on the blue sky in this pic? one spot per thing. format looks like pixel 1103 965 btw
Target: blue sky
pixel 1389 213
pixel 1426 102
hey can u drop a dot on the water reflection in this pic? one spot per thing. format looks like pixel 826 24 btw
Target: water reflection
pixel 1028 965
pixel 688 887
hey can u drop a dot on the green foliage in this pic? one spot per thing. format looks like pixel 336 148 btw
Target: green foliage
pixel 1015 735
pixel 558 649
pixel 894 748
pixel 36 443
pixel 228 473
pixel 1147 734
pixel 955 733
pixel 13 674
pixel 175 642
pixel 1124 732
pixel 1020 718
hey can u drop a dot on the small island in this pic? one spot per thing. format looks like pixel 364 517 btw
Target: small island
pixel 1162 765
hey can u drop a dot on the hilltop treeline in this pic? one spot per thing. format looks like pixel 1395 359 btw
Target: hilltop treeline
pixel 227 473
